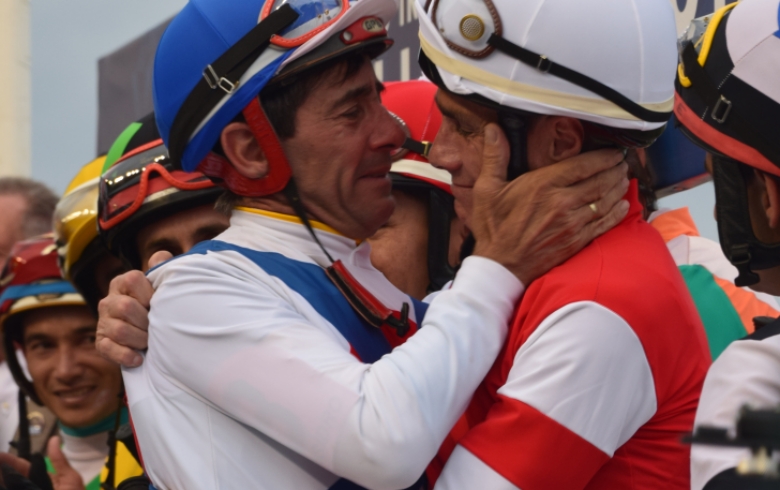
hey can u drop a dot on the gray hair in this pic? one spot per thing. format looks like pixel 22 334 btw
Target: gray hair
pixel 41 202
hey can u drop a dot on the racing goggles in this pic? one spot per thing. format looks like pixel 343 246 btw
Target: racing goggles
pixel 422 148
pixel 128 185
pixel 479 30
pixel 314 16
pixel 699 34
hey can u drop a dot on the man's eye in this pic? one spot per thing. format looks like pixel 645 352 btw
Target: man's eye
pixel 353 113
pixel 464 132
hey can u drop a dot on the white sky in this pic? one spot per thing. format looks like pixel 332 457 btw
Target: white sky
pixel 68 38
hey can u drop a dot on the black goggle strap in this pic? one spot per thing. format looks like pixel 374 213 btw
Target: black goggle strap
pixel 222 77
pixel 721 109
pixel 440 213
pixel 516 130
pixel 422 148
pixel 23 446
pixel 360 299
pixel 546 65
pixel 734 230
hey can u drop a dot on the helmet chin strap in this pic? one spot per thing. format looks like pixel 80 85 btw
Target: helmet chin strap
pixel 515 128
pixel 737 239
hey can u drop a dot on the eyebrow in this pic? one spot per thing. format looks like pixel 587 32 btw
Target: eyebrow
pixel 445 111
pixel 86 329
pixel 161 244
pixel 355 93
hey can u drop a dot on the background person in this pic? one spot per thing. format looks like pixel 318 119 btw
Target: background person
pixel 49 320
pixel 147 205
pixel 418 247
pixel 741 67
pixel 27 211
pixel 726 310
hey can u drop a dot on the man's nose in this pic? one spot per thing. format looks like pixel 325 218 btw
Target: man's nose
pixel 68 367
pixel 389 132
pixel 444 156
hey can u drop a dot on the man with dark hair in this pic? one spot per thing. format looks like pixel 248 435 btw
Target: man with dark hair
pixel 728 103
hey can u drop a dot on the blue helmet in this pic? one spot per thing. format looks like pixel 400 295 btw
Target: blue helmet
pixel 216 56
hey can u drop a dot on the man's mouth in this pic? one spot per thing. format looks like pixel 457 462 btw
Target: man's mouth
pixel 380 173
pixel 75 396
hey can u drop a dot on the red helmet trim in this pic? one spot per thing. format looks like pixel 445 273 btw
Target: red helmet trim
pixel 279 172
pixel 723 143
pixel 140 149
pixel 144 190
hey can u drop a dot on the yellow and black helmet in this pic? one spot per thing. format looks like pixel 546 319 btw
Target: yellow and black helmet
pixel 79 247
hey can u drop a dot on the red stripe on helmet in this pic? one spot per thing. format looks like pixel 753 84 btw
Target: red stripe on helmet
pixel 723 143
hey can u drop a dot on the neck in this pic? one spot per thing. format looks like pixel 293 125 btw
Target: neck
pixel 104 425
pixel 278 203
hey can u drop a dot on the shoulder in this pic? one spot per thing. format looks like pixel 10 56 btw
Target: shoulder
pixel 743 374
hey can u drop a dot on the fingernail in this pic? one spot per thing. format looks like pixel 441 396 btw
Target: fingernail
pixel 619 155
pixel 491 134
pixel 624 205
pixel 136 361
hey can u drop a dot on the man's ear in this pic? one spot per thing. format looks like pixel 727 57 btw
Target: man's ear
pixel 771 200
pixel 568 136
pixel 243 151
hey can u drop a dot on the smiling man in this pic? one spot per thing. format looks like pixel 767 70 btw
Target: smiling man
pixel 45 316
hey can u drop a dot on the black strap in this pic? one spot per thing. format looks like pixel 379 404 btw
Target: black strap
pixel 721 109
pixel 419 147
pixel 545 65
pixel 291 191
pixel 222 76
pixel 23 446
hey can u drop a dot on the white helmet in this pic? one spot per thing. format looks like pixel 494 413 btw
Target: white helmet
pixel 610 62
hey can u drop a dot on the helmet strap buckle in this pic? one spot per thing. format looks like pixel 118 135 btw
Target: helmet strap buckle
pixel 721 110
pixel 215 81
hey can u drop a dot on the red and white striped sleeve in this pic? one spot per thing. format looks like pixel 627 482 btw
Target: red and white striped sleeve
pixel 579 388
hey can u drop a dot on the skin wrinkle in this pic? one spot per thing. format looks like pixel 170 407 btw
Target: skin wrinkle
pixel 350 187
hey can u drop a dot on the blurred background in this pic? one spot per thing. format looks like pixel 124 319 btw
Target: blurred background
pixel 81 71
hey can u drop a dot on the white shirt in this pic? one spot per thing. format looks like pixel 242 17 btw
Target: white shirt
pixel 746 373
pixel 246 385
pixel 87 454
pixel 9 407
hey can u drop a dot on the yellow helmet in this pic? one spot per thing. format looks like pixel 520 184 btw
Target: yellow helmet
pixel 79 248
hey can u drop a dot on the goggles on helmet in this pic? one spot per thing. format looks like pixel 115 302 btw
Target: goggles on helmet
pixel 474 29
pixel 75 209
pixel 700 33
pixel 314 16
pixel 129 184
